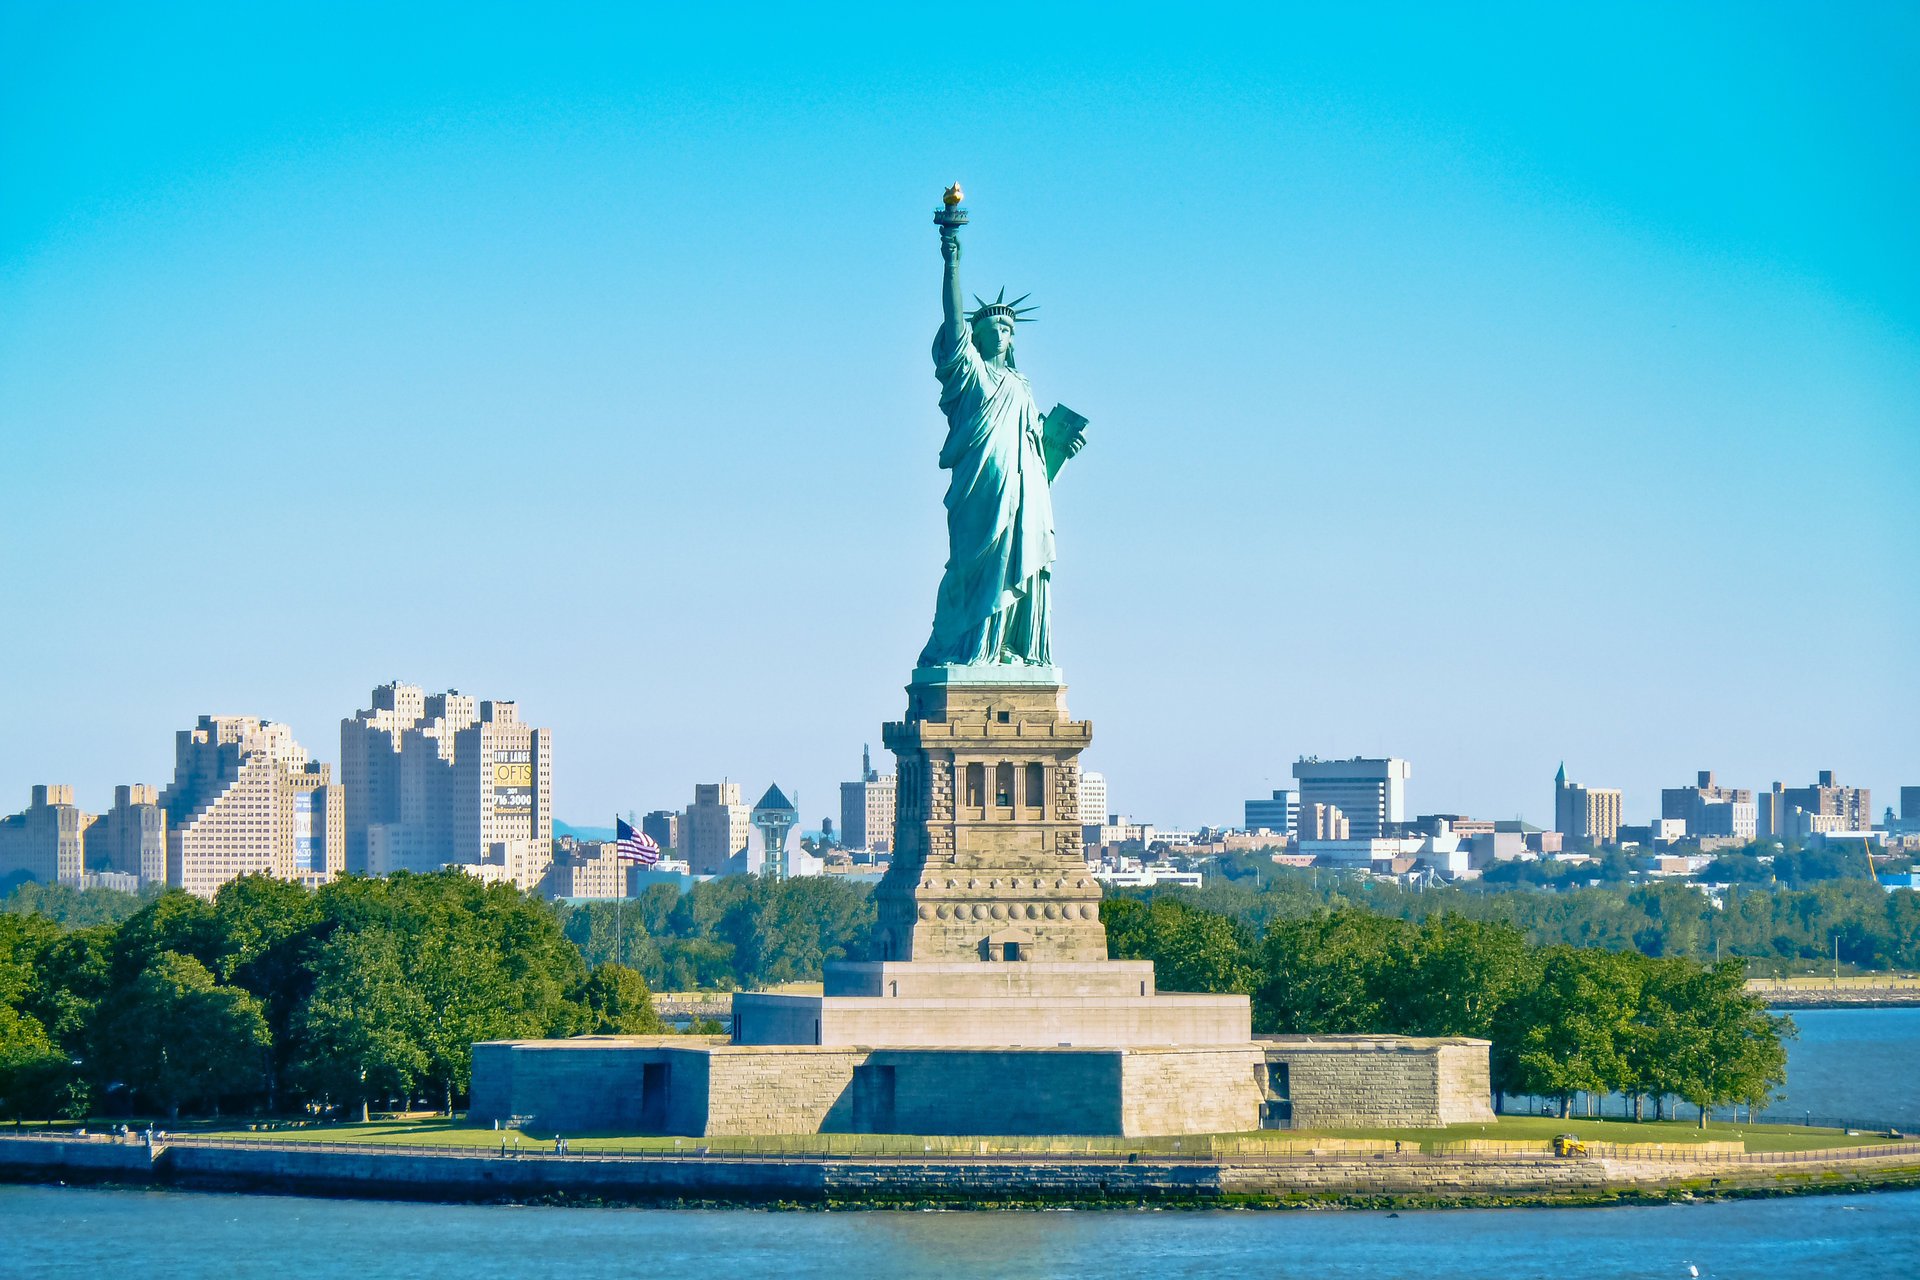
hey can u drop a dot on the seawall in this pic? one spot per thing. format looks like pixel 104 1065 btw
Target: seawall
pixel 1381 1178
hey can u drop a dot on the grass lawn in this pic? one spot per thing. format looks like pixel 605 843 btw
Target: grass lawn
pixel 1758 1137
pixel 441 1133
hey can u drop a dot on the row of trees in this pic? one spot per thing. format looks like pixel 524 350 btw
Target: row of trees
pixel 1563 1020
pixel 1773 928
pixel 732 933
pixel 275 997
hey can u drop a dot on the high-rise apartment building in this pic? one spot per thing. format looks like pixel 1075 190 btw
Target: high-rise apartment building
pixel 131 838
pixel 232 808
pixel 1280 815
pixel 716 828
pixel 1370 793
pixel 1711 810
pixel 47 841
pixel 503 793
pixel 1093 799
pixel 1853 806
pixel 1790 813
pixel 1585 815
pixel 866 808
pixel 446 779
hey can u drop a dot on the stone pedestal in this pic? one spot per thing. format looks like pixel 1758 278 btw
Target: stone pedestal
pixel 987 854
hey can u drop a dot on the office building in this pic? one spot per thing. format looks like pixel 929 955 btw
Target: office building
pixel 46 842
pixel 446 779
pixel 1371 794
pixel 866 808
pixel 130 839
pixel 1093 799
pixel 1585 816
pixel 231 808
pixel 1711 810
pixel 716 828
pixel 1280 815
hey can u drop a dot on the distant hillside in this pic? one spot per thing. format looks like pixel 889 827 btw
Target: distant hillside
pixel 582 833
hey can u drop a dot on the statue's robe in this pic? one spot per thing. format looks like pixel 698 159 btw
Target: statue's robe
pixel 993 597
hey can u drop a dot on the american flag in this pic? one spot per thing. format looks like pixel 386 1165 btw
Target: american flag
pixel 633 846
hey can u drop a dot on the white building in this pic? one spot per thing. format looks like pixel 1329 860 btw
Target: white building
pixel 1093 799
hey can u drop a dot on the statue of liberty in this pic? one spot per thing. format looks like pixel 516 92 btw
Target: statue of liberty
pixel 1003 454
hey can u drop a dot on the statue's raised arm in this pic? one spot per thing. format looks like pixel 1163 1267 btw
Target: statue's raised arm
pixel 953 304
pixel 993 602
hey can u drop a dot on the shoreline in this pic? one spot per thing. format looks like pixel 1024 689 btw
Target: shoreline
pixel 1379 1180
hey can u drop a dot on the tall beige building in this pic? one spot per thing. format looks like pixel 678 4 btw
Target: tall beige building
pixel 866 808
pixel 443 779
pixel 319 825
pixel 131 837
pixel 397 763
pixel 46 841
pixel 503 793
pixel 1322 822
pixel 716 831
pixel 1585 815
pixel 240 786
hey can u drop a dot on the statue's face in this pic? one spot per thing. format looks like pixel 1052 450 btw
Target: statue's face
pixel 994 336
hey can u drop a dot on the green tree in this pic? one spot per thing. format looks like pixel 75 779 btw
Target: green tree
pixel 175 921
pixel 615 1001
pixel 183 1041
pixel 36 1079
pixel 1451 976
pixel 269 931
pixel 1733 1048
pixel 1192 949
pixel 1327 974
pixel 361 1030
pixel 1568 1031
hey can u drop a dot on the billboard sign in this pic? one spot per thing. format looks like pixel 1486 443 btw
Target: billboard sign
pixel 513 780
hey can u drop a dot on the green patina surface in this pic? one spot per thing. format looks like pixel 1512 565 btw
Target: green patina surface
pixel 1002 454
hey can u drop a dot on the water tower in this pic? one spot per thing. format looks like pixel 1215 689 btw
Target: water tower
pixel 773 817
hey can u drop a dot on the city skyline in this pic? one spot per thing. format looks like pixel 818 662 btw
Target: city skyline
pixel 1515 396
pixel 1888 795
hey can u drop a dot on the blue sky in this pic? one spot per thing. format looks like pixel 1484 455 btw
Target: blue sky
pixel 1483 387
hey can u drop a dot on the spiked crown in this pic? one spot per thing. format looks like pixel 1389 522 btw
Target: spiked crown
pixel 1001 307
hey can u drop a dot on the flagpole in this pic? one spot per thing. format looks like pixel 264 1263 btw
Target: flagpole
pixel 620 900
